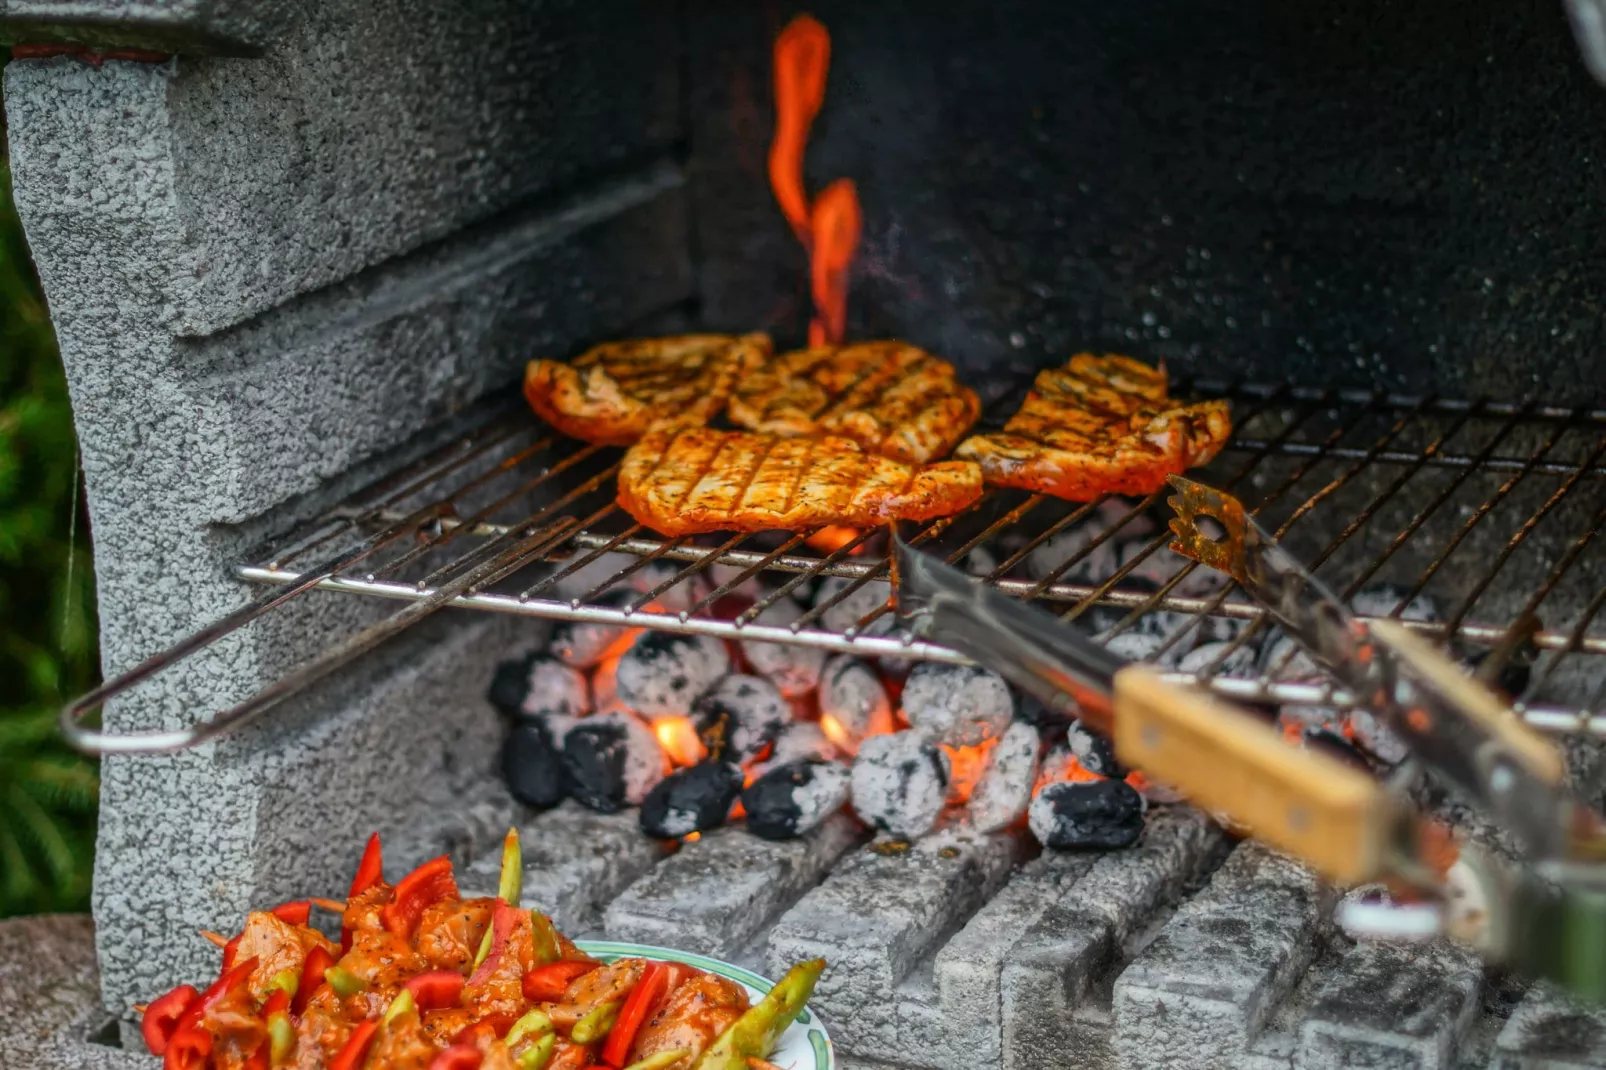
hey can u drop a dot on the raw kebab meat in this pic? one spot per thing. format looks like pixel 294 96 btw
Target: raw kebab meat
pixel 425 980
pixel 611 394
pixel 682 479
pixel 892 398
pixel 1099 425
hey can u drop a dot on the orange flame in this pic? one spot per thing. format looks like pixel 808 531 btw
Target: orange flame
pixel 679 740
pixel 833 538
pixel 967 765
pixel 1069 769
pixel 830 229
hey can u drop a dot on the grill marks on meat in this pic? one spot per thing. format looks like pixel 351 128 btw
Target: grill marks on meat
pixel 680 480
pixel 1099 425
pixel 891 398
pixel 612 393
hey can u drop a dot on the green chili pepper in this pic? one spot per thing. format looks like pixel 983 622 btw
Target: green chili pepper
pixel 402 1004
pixel 281 1038
pixel 511 885
pixel 758 1029
pixel 344 982
pixel 537 1055
pixel 531 1024
pixel 545 938
pixel 287 980
pixel 661 1060
pixel 594 1026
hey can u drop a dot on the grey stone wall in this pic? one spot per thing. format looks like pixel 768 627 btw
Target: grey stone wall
pixel 271 277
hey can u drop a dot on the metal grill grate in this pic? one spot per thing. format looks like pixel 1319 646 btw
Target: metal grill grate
pixel 1489 508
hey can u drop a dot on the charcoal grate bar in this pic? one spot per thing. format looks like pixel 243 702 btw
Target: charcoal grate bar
pixel 530 520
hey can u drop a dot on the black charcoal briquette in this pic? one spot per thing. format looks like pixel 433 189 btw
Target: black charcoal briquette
pixel 532 765
pixel 1093 752
pixel 960 705
pixel 689 800
pixel 791 799
pixel 900 783
pixel 740 717
pixel 1086 814
pixel 611 761
pixel 582 643
pixel 663 672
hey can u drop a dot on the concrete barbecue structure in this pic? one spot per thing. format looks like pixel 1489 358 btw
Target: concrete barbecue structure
pixel 310 244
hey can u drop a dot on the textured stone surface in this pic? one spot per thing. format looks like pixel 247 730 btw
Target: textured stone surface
pixel 203 27
pixel 50 997
pixel 880 914
pixel 1078 935
pixel 1549 1031
pixel 1391 1006
pixel 1200 993
pixel 714 896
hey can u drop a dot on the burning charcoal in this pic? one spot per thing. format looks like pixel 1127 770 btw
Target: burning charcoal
pixel 795 669
pixel 853 703
pixel 611 761
pixel 603 568
pixel 1113 510
pixel 682 596
pixel 1285 659
pixel 1093 752
pixel 1331 743
pixel 797 741
pixel 691 800
pixel 1087 813
pixel 540 684
pixel 1005 790
pixel 1162 564
pixel 1153 791
pixel 792 799
pixel 900 783
pixel 960 705
pixel 1136 645
pixel 663 672
pixel 750 588
pixel 583 643
pixel 1379 600
pixel 739 717
pixel 1096 566
pixel 1241 662
pixel 1045 718
pixel 980 561
pixel 862 602
pixel 1376 738
pixel 532 765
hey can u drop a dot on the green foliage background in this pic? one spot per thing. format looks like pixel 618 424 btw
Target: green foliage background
pixel 47 609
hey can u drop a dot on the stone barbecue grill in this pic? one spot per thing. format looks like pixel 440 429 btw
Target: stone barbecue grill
pixel 298 253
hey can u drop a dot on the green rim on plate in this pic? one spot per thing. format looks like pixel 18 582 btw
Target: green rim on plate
pixel 804 1046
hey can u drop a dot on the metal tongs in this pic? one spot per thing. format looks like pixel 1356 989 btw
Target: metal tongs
pixel 1547 919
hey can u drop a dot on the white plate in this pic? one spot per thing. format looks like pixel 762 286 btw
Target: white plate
pixel 805 1044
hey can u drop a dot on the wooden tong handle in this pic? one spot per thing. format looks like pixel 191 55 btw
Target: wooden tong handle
pixel 1335 818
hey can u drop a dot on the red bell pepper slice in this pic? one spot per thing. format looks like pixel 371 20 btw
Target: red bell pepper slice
pixel 504 919
pixel 546 984
pixel 436 989
pixel 231 949
pixel 156 1025
pixel 354 1052
pixel 491 1027
pixel 458 1057
pixel 429 883
pixel 277 1002
pixel 318 960
pixel 295 912
pixel 370 871
pixel 259 1059
pixel 189 1049
pixel 641 1002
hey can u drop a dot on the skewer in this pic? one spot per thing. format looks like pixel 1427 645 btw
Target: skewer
pixel 334 906
pixel 220 941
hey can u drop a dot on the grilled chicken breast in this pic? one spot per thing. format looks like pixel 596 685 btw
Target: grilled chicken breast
pixel 1099 425
pixel 681 479
pixel 892 398
pixel 612 393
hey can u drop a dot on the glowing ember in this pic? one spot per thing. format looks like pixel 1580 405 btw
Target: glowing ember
pixel 839 736
pixel 831 539
pixel 967 765
pixel 830 228
pixel 679 739
pixel 1062 767
pixel 605 684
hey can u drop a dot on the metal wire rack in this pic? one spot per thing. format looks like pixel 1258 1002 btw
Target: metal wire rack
pixel 1488 508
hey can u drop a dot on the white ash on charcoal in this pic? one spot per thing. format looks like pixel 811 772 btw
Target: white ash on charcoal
pixel 630 589
pixel 663 672
pixel 900 783
pixel 579 583
pixel 539 684
pixel 856 606
pixel 1072 815
pixel 532 764
pixel 1234 661
pixel 611 761
pixel 694 799
pixel 792 799
pixel 1114 510
pixel 797 741
pixel 793 668
pixel 1380 600
pixel 1095 565
pixel 1160 565
pixel 980 561
pixel 960 705
pixel 1376 738
pixel 1093 752
pixel 853 703
pixel 1004 791
pixel 582 644
pixel 1284 659
pixel 682 596
pixel 750 588
pixel 740 717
